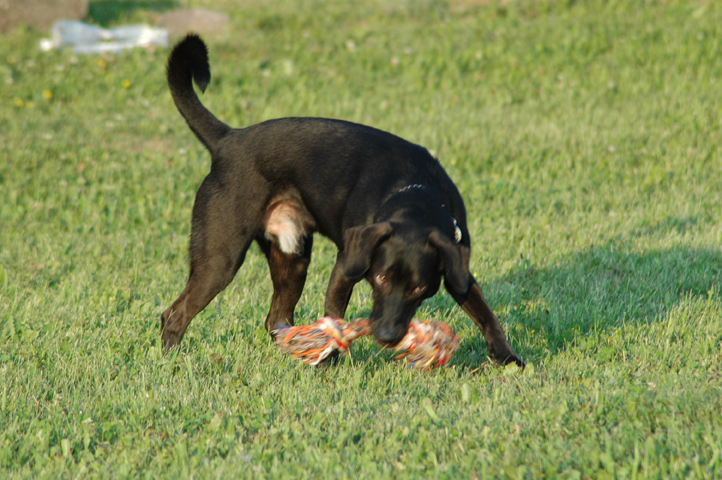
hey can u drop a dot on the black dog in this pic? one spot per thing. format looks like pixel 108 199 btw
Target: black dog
pixel 388 205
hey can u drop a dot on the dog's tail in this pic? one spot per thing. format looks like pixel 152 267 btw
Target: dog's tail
pixel 187 62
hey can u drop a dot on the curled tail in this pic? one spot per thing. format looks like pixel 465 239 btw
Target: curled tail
pixel 187 62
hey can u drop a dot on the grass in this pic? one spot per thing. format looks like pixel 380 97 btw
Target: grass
pixel 585 138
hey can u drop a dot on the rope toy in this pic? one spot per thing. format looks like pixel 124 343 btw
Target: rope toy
pixel 426 345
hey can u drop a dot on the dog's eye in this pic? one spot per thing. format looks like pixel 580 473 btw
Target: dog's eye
pixel 419 290
pixel 381 280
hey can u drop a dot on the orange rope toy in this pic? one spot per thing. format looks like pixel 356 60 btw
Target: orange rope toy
pixel 426 345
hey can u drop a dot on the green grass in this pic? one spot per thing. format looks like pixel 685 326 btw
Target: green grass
pixel 585 138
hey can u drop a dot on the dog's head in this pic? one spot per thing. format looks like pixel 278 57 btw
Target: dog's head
pixel 404 265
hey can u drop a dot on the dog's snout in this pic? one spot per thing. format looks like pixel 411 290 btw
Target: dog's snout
pixel 390 318
pixel 387 335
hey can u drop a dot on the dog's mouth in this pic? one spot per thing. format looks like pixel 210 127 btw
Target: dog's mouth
pixel 388 344
pixel 389 336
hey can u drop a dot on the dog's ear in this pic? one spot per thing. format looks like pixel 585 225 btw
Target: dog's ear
pixel 359 245
pixel 455 258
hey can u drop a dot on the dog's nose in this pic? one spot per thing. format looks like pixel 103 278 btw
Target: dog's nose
pixel 387 335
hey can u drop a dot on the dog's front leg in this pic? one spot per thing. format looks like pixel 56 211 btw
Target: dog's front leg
pixel 474 304
pixel 339 290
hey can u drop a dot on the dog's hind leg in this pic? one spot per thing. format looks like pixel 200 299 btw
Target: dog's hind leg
pixel 288 274
pixel 225 221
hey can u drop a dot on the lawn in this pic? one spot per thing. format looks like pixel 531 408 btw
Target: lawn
pixel 585 139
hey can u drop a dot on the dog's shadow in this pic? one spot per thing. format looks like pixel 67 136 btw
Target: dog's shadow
pixel 544 310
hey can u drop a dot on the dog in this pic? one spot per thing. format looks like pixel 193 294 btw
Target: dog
pixel 395 215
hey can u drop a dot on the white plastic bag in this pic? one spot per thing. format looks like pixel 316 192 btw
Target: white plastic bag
pixel 86 38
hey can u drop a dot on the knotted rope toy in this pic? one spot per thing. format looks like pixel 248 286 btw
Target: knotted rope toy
pixel 426 345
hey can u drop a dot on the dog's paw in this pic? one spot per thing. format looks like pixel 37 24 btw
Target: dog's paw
pixel 513 359
pixel 170 341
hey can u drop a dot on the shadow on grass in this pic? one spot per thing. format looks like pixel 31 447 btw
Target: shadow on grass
pixel 108 12
pixel 547 309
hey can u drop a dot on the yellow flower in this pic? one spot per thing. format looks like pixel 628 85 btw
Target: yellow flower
pixel 126 84
pixel 19 102
pixel 102 63
pixel 48 94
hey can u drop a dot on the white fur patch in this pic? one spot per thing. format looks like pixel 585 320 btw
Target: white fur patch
pixel 457 231
pixel 289 241
pixel 282 222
